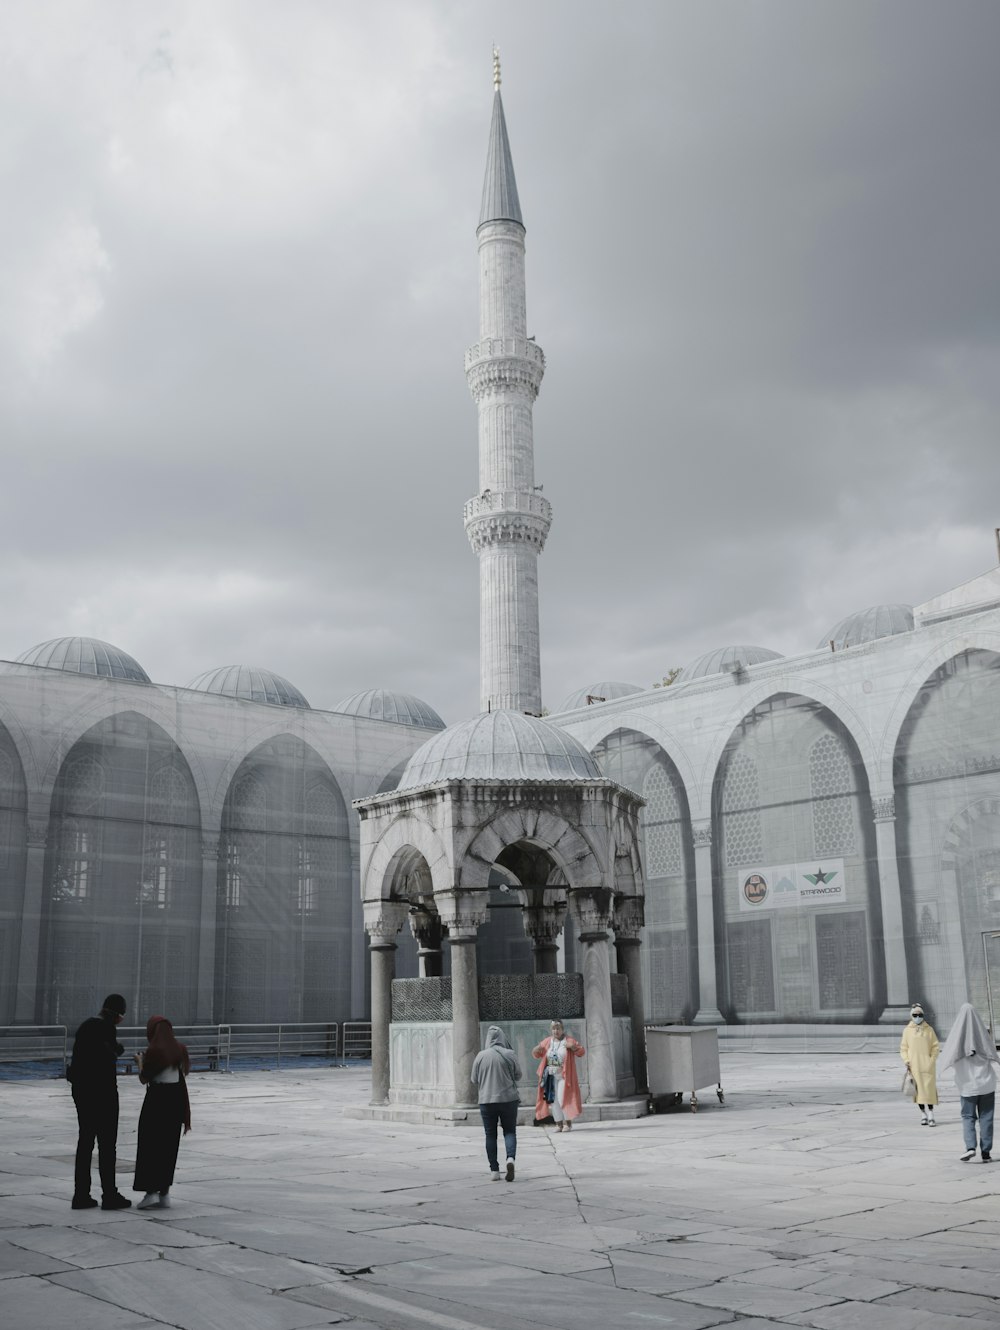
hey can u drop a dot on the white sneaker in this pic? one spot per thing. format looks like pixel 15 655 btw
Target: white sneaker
pixel 969 1154
pixel 923 1121
pixel 150 1201
pixel 931 1122
pixel 510 1170
pixel 495 1175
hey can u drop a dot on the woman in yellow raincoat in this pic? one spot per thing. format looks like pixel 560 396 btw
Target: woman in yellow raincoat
pixel 919 1049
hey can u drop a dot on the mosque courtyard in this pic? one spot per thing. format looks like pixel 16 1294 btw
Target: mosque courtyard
pixel 812 1198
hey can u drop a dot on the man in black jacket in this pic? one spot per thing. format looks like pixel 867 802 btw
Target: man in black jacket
pixel 93 1076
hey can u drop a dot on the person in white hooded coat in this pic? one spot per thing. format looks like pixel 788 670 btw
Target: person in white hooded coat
pixel 970 1051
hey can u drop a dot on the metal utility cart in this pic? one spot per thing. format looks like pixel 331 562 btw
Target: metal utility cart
pixel 681 1059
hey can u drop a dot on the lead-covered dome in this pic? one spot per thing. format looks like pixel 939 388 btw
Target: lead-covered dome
pixel 725 659
pixel 500 745
pixel 867 625
pixel 400 708
pixel 605 691
pixel 85 655
pixel 251 684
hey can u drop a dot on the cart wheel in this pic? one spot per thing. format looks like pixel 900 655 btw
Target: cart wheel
pixel 722 1097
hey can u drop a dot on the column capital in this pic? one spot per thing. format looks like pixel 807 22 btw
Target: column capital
pixel 630 915
pixel 544 923
pixel 592 911
pixel 701 833
pixel 462 913
pixel 37 833
pixel 884 808
pixel 383 920
pixel 210 847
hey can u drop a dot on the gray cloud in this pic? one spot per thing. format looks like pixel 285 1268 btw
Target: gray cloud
pixel 238 275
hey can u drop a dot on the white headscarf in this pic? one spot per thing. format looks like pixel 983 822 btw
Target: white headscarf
pixel 967 1036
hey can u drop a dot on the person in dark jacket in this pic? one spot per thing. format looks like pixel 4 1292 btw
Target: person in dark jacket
pixel 93 1075
pixel 495 1072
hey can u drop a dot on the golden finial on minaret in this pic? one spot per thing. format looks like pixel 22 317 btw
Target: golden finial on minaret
pixel 496 69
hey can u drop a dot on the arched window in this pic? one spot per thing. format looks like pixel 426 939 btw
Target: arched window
pixel 741 808
pixel 831 781
pixel 78 861
pixel 246 844
pixel 663 823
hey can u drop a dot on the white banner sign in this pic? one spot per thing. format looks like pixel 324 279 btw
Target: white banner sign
pixel 815 883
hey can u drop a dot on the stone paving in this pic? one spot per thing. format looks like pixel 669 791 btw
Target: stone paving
pixel 813 1198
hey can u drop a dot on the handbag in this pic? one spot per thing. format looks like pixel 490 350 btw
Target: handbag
pixel 909 1087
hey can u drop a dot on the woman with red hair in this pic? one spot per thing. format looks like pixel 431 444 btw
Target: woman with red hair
pixel 165 1110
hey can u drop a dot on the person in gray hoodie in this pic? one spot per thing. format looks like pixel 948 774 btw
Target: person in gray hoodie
pixel 495 1072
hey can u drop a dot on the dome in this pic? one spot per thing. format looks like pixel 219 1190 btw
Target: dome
pixel 867 625
pixel 500 745
pixel 251 684
pixel 607 691
pixel 724 659
pixel 400 708
pixel 85 655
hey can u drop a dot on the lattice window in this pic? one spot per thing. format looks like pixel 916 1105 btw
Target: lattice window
pixel 83 785
pixel 663 824
pixel 741 812
pixel 169 795
pixel 831 779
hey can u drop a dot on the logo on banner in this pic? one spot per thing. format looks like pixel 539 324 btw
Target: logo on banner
pixel 784 885
pixel 755 889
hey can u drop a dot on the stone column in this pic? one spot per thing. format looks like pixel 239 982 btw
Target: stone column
pixel 708 993
pixel 205 1013
pixel 592 914
pixel 543 924
pixel 29 966
pixel 629 918
pixel 383 920
pixel 897 1009
pixel 463 916
pixel 426 929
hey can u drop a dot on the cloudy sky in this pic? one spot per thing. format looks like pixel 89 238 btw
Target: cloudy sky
pixel 238 275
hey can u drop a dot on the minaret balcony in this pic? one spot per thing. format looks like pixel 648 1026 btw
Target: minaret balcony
pixel 508 501
pixel 498 348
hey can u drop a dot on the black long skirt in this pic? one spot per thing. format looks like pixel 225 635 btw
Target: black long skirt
pixel 160 1124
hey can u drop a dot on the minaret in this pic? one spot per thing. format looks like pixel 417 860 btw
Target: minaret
pixel 508 520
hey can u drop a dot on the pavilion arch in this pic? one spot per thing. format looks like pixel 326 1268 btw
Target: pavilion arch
pixel 584 865
pixel 792 797
pixel 406 834
pixel 888 742
pixel 284 899
pixel 946 791
pixel 144 701
pixel 669 959
pixel 747 697
pixel 122 879
pixel 602 727
pixel 13 851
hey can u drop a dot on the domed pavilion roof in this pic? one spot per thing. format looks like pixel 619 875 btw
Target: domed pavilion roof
pixel 401 708
pixel 606 691
pixel 251 684
pixel 725 658
pixel 500 745
pixel 85 655
pixel 868 625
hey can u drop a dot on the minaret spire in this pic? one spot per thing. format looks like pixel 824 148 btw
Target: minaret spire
pixel 508 521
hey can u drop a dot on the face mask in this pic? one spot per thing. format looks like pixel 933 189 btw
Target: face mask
pixel 918 1019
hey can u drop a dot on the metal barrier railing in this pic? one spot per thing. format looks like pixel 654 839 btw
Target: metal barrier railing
pixel 357 1039
pixel 212 1047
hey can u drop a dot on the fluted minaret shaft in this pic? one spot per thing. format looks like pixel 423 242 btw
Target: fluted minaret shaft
pixel 508 520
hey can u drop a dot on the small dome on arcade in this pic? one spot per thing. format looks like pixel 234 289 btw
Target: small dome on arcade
pixel 725 659
pixel 251 685
pixel 85 655
pixel 400 708
pixel 500 745
pixel 606 692
pixel 868 625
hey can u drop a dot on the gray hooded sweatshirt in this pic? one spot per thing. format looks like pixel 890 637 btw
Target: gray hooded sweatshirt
pixel 495 1069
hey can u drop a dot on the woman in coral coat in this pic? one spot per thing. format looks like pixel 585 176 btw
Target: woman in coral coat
pixel 919 1049
pixel 558 1084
